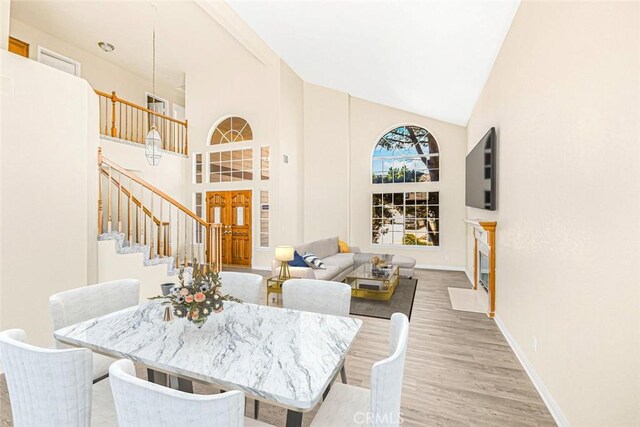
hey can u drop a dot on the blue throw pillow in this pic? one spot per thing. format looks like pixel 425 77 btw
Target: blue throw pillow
pixel 297 261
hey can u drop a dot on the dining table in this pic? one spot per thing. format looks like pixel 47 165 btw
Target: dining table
pixel 284 357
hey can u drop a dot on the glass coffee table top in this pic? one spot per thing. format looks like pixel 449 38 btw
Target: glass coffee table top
pixel 366 271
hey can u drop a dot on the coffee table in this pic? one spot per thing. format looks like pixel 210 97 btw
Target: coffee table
pixel 365 283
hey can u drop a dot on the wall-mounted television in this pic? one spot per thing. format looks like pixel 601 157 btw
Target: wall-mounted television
pixel 481 169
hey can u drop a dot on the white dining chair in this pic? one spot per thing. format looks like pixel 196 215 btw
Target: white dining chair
pixel 143 404
pixel 53 388
pixel 246 286
pixel 318 296
pixel 379 406
pixel 80 304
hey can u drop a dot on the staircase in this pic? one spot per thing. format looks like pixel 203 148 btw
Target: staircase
pixel 140 219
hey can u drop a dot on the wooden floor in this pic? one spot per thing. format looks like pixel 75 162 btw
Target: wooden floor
pixel 459 369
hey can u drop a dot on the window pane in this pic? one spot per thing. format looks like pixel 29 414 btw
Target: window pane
pixel 405 154
pixel 401 222
pixel 232 129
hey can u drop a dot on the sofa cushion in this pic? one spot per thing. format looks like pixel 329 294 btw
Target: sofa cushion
pixel 403 261
pixel 313 261
pixel 324 248
pixel 342 261
pixel 328 273
pixel 297 260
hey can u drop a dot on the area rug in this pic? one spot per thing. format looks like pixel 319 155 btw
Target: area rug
pixel 474 301
pixel 401 302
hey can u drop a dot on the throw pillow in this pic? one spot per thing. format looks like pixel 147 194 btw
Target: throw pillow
pixel 313 261
pixel 343 247
pixel 297 261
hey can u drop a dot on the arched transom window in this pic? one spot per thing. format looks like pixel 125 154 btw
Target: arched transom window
pixel 232 129
pixel 406 154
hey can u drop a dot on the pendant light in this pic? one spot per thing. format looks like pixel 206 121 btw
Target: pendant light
pixel 153 142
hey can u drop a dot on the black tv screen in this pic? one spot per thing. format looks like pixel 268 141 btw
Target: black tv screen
pixel 481 173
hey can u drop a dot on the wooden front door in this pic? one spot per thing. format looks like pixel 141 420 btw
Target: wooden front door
pixel 232 209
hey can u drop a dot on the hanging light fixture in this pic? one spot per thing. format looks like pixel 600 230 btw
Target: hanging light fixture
pixel 153 142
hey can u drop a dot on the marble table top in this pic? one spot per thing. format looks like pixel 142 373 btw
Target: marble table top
pixel 286 357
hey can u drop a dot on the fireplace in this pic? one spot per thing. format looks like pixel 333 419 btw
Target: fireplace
pixel 483 271
pixel 484 262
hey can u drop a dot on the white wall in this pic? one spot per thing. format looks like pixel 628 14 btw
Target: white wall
pixel 5 17
pixel 169 176
pixel 340 135
pixel 101 74
pixel 47 212
pixel 564 95
pixel 326 163
pixel 290 222
pixel 114 266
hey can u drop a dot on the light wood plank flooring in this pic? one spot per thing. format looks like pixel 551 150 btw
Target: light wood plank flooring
pixel 459 369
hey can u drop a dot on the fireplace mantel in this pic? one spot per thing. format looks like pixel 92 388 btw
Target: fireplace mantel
pixel 484 237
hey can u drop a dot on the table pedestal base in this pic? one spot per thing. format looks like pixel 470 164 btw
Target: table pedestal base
pixel 294 418
pixel 171 381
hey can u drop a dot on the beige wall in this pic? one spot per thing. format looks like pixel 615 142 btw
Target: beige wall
pixel 564 96
pixel 369 121
pixel 48 181
pixel 101 74
pixel 340 135
pixel 243 86
pixel 326 163
pixel 291 220
pixel 169 176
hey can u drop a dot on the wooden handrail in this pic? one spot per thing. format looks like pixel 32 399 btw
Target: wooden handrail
pixel 115 98
pixel 151 188
pixel 131 122
pixel 135 200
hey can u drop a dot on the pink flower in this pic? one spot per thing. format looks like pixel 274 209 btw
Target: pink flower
pixel 195 314
pixel 188 299
pixel 184 291
pixel 199 297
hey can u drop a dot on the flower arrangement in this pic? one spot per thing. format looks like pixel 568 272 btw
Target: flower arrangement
pixel 197 297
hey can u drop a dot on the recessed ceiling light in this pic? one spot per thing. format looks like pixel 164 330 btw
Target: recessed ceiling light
pixel 107 47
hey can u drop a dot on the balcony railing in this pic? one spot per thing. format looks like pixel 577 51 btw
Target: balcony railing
pixel 130 122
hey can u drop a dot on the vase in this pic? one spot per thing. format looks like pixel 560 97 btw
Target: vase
pixel 200 321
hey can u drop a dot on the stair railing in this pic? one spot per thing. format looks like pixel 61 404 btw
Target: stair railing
pixel 125 120
pixel 147 216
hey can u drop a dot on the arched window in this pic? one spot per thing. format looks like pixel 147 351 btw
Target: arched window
pixel 406 154
pixel 232 129
pixel 407 216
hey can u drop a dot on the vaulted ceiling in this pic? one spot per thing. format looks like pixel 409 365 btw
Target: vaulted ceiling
pixel 430 57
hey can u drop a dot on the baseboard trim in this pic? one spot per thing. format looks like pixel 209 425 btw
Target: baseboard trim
pixel 438 267
pixel 546 396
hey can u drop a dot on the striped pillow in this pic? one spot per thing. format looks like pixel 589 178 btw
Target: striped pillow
pixel 313 261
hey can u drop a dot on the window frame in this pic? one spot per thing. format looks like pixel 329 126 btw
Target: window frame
pixel 407 187
pixel 375 145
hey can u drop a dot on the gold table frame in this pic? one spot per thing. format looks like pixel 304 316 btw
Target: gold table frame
pixel 363 276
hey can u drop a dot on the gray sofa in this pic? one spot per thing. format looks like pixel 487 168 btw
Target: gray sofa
pixel 338 265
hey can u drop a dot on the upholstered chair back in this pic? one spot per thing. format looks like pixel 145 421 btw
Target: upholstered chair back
pixel 246 286
pixel 80 304
pixel 318 296
pixel 143 404
pixel 47 387
pixel 386 376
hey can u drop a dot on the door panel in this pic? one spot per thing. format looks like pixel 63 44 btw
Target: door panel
pixel 233 210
